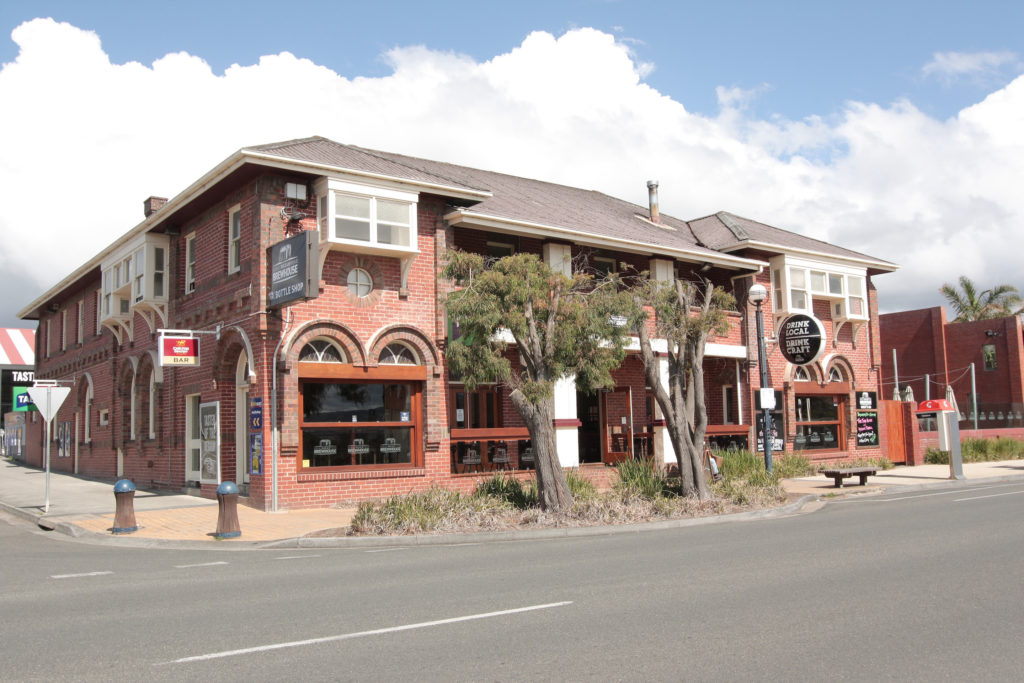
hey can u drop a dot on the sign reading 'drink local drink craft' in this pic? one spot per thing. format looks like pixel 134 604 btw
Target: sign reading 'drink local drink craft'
pixel 801 339
pixel 179 350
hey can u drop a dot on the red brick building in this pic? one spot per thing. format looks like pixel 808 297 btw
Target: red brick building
pixel 351 388
pixel 932 354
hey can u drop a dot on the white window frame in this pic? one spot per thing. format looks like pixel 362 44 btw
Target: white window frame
pixel 104 417
pixel 841 285
pixel 327 190
pixel 64 329
pixel 192 402
pixel 99 310
pixel 235 238
pixel 190 263
pixel 133 399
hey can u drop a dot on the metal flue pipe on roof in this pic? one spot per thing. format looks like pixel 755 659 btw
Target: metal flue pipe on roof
pixel 652 194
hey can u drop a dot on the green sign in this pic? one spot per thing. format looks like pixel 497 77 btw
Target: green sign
pixel 21 400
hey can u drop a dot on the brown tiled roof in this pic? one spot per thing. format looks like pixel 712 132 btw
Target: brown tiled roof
pixel 726 231
pixel 548 204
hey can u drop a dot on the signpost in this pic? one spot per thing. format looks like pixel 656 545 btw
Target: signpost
pixel 48 397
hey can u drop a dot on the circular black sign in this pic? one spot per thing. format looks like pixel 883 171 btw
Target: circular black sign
pixel 801 339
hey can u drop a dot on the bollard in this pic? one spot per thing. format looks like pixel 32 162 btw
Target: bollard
pixel 227 513
pixel 124 517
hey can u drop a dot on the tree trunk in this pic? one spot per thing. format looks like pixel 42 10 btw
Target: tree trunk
pixel 552 488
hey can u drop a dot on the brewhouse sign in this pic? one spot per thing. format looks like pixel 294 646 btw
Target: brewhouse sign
pixel 801 339
pixel 293 270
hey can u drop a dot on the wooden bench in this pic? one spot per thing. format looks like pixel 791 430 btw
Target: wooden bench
pixel 839 474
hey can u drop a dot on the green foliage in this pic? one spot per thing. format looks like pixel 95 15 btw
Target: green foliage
pixel 791 465
pixel 970 304
pixel 560 325
pixel 642 479
pixel 432 510
pixel 580 488
pixel 740 464
pixel 980 450
pixel 509 490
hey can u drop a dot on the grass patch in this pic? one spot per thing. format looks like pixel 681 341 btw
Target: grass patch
pixel 509 490
pixel 436 509
pixel 641 479
pixel 980 450
pixel 792 465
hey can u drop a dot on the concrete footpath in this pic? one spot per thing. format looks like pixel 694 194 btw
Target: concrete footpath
pixel 84 508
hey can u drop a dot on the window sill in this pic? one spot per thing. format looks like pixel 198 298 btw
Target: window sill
pixel 312 475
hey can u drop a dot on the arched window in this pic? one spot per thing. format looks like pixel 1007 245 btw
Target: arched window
pixel 801 375
pixel 835 374
pixel 321 351
pixel 397 353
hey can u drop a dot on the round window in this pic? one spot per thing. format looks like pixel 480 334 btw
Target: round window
pixel 360 284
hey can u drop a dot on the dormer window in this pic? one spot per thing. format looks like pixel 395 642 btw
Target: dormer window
pixel 366 219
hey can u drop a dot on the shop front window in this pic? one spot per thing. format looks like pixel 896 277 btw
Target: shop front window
pixel 818 423
pixel 348 424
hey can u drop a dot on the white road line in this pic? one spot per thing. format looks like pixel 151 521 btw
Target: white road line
pixel 295 557
pixel 201 564
pixel 991 495
pixel 75 576
pixel 362 634
pixel 923 495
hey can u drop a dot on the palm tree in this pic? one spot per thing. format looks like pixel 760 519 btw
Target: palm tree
pixel 970 304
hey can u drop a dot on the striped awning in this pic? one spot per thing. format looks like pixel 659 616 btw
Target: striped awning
pixel 17 347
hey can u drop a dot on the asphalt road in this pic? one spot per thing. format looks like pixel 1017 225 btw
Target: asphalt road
pixel 916 586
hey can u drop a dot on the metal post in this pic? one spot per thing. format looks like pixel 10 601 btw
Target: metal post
pixel 46 503
pixel 927 388
pixel 895 372
pixel 974 398
pixel 766 413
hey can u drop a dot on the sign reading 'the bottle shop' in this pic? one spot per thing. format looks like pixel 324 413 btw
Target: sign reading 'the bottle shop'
pixel 801 339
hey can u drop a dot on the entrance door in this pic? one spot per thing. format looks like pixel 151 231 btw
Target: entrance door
pixel 193 443
pixel 895 431
pixel 617 435
pixel 242 424
pixel 588 409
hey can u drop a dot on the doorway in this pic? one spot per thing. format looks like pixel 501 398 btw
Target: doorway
pixel 617 412
pixel 588 408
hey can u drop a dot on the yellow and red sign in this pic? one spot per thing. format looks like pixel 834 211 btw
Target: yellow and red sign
pixel 180 351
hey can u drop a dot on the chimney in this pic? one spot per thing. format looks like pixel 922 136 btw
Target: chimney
pixel 152 204
pixel 652 193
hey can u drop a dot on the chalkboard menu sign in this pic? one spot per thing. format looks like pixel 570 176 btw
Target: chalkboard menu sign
pixel 867 428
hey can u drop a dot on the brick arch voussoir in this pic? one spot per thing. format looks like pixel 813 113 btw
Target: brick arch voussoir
pixel 410 335
pixel 331 329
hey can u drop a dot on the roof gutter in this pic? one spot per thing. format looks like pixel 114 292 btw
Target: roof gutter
pixel 461 216
pixel 871 263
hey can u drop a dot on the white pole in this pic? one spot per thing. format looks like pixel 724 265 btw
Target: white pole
pixel 46 504
pixel 974 398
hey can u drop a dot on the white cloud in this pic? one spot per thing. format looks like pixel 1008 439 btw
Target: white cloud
pixel 86 140
pixel 949 66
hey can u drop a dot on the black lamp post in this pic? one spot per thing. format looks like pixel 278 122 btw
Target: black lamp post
pixel 757 294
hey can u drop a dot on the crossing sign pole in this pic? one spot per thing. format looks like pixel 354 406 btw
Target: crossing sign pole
pixel 48 397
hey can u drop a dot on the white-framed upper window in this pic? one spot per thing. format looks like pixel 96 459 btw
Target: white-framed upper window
pixel 367 219
pixel 190 263
pixel 235 239
pixel 80 322
pixel 99 309
pixel 360 284
pixel 64 329
pixel 798 282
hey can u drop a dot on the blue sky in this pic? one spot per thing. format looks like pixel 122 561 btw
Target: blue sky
pixel 893 128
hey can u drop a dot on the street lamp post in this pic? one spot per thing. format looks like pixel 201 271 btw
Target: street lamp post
pixel 757 294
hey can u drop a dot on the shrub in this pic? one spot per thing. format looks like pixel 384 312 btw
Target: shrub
pixel 507 489
pixel 579 487
pixel 980 450
pixel 740 464
pixel 435 509
pixel 792 465
pixel 640 478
